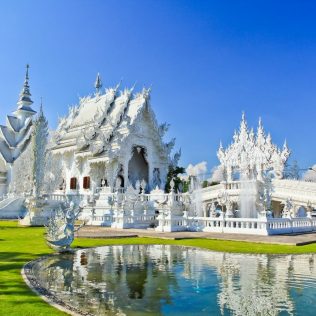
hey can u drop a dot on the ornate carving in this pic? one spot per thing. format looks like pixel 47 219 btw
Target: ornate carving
pixel 60 228
pixel 252 154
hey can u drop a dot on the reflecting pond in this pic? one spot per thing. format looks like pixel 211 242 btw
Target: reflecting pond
pixel 174 280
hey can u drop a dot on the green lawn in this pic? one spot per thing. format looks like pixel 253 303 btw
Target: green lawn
pixel 19 245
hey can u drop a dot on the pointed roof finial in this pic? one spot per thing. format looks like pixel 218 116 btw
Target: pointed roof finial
pixel 41 113
pixel 285 144
pixel 243 123
pixel 98 83
pixel 133 87
pixel 27 72
pixel 25 95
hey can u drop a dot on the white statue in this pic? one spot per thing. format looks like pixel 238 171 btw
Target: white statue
pixel 156 178
pixel 61 226
pixel 288 209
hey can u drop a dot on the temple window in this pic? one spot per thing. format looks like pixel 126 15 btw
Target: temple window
pixel 73 183
pixel 86 182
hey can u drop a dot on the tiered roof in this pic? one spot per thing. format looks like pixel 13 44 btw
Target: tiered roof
pixel 101 122
pixel 17 131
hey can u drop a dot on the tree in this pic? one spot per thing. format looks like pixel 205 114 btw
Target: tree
pixel 174 173
pixel 293 171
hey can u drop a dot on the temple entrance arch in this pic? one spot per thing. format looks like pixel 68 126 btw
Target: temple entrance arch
pixel 120 181
pixel 138 168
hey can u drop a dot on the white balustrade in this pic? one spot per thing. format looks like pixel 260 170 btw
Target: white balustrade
pixel 170 205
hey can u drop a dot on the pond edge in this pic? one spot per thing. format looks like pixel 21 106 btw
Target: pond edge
pixel 44 294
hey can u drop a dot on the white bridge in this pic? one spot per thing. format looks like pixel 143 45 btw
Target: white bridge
pixel 302 194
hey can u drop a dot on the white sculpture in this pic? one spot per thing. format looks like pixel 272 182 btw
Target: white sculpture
pixel 252 155
pixel 288 209
pixel 265 195
pixel 61 226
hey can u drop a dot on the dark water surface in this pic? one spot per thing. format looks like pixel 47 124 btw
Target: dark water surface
pixel 174 280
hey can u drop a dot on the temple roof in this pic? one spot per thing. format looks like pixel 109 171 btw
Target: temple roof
pixel 249 149
pixel 13 122
pixel 108 111
pixel 99 126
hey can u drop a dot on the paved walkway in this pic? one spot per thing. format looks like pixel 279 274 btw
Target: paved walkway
pixel 106 232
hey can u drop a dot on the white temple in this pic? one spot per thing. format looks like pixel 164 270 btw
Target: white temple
pixel 108 154
pixel 112 138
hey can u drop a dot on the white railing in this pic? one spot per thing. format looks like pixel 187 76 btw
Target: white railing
pixel 103 220
pixel 56 197
pixel 229 225
pixel 293 225
pixel 132 221
pixel 238 225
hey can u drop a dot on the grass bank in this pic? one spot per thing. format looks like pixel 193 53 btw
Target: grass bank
pixel 19 245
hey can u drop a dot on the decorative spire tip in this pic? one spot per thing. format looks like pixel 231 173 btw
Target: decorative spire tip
pixel 98 83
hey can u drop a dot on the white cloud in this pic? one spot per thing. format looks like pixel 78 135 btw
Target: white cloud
pixel 310 175
pixel 217 174
pixel 197 170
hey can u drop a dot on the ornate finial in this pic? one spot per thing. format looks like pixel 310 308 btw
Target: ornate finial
pixel 243 123
pixel 27 72
pixel 118 85
pixel 133 87
pixel 285 144
pixel 98 83
pixel 41 113
pixel 146 92
pixel 25 95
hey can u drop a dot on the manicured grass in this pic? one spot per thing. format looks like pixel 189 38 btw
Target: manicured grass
pixel 19 245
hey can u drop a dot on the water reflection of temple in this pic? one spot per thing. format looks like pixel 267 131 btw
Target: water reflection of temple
pixel 255 284
pixel 123 279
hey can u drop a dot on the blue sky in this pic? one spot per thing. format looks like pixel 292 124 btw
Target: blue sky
pixel 207 61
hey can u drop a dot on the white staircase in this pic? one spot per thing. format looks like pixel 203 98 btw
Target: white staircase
pixel 12 207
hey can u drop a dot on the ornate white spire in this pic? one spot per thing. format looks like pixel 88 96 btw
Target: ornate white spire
pixel 98 83
pixel 260 133
pixel 220 144
pixel 255 153
pixel 285 144
pixel 146 92
pixel 243 134
pixel 25 95
pixel 133 87
pixel 41 113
